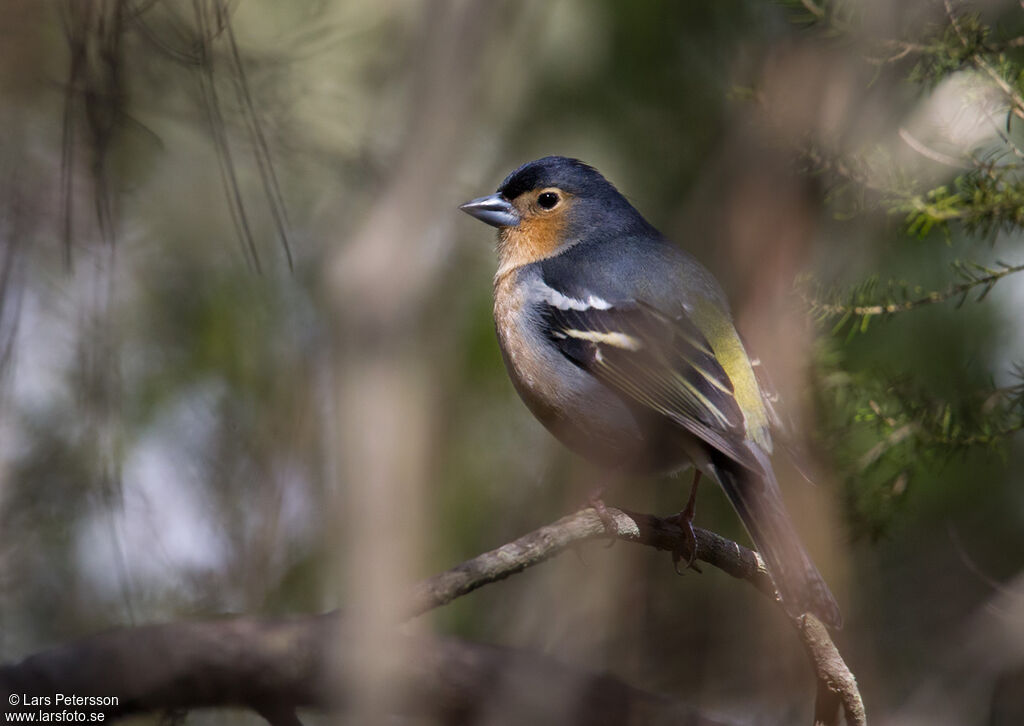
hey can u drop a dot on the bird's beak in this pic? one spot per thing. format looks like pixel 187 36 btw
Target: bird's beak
pixel 495 210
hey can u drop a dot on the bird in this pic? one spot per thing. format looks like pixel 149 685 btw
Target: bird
pixel 623 346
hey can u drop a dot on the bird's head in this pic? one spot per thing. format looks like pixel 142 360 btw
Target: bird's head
pixel 551 204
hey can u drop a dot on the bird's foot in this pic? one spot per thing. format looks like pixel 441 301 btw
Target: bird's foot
pixel 688 550
pixel 594 500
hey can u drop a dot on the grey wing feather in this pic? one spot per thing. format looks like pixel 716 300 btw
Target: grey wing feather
pixel 655 361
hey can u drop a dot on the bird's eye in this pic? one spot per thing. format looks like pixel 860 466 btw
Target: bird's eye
pixel 547 200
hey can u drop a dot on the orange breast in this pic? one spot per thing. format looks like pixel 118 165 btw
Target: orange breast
pixel 525 359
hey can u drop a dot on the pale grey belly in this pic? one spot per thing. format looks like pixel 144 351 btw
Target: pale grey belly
pixel 584 414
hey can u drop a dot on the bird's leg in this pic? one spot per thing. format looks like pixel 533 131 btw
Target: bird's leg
pixel 685 521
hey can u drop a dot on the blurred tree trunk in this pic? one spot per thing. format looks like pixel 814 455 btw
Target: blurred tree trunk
pixel 380 283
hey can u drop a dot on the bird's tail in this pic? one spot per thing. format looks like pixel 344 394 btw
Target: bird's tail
pixel 757 499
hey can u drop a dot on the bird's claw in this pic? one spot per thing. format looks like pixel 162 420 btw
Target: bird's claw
pixel 685 521
pixel 604 515
pixel 688 551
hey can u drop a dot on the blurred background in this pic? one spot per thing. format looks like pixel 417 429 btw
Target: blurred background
pixel 248 360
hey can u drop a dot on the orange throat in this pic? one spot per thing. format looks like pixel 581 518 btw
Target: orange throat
pixel 530 241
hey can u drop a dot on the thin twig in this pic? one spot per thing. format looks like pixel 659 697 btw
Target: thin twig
pixel 548 541
pixel 813 9
pixel 836 684
pixel 833 309
pixel 1015 98
pixel 928 152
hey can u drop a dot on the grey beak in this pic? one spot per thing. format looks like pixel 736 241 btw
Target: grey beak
pixel 494 210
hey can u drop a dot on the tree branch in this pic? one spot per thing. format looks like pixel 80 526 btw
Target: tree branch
pixel 275 666
pixel 836 684
pixel 553 539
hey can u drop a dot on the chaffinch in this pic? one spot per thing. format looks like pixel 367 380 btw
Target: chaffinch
pixel 623 346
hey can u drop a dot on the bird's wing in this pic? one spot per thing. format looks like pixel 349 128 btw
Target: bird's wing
pixel 655 360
